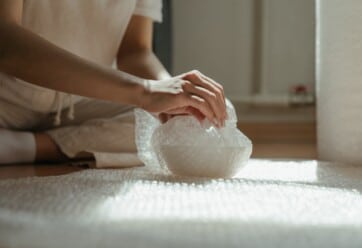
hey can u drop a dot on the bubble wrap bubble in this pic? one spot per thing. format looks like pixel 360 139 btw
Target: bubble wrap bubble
pixel 187 147
pixel 274 204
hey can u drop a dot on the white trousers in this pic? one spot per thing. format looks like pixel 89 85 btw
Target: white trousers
pixel 103 128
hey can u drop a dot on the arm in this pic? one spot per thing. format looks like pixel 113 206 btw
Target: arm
pixel 27 56
pixel 135 54
pixel 136 57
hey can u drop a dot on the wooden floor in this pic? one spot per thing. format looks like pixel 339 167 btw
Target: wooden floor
pixel 279 131
pixel 282 140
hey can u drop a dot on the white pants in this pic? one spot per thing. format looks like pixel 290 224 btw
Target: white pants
pixel 103 128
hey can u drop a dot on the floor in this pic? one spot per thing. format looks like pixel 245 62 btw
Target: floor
pixel 279 131
pixel 282 140
pixel 276 132
pixel 274 204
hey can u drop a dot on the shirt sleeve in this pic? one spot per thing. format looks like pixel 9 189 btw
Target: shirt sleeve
pixel 149 8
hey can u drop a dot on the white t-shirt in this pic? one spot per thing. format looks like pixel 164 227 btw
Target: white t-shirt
pixel 91 29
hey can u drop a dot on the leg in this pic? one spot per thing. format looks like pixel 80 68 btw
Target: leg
pixel 16 144
pixel 110 141
pixel 102 129
pixel 48 151
pixel 27 147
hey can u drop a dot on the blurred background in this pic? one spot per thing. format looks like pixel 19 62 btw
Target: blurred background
pixel 263 52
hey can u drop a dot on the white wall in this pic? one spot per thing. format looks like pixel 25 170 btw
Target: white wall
pixel 288 44
pixel 216 37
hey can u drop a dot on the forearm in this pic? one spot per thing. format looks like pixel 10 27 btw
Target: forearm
pixel 144 64
pixel 27 56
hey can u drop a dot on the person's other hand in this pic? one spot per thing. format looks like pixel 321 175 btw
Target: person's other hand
pixel 189 93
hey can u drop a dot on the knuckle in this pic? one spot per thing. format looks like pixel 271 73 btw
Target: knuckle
pixel 218 91
pixel 200 101
pixel 189 76
pixel 195 74
pixel 186 84
pixel 218 86
pixel 212 96
pixel 218 95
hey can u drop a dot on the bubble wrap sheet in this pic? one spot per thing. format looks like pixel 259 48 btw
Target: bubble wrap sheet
pixel 269 204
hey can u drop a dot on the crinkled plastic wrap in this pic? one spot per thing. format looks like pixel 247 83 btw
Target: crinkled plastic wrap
pixel 186 147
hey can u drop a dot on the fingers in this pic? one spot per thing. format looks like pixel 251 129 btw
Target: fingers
pixel 197 114
pixel 208 89
pixel 211 99
pixel 219 86
pixel 200 104
pixel 213 83
pixel 191 93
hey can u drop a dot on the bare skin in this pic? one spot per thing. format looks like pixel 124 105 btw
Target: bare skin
pixel 26 55
pixel 136 57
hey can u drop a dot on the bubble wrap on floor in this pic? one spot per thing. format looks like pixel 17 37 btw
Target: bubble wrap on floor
pixel 269 204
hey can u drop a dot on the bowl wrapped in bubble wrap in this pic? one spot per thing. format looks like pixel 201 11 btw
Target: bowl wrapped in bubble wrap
pixel 186 147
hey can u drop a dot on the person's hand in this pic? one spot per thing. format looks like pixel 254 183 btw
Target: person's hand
pixel 190 93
